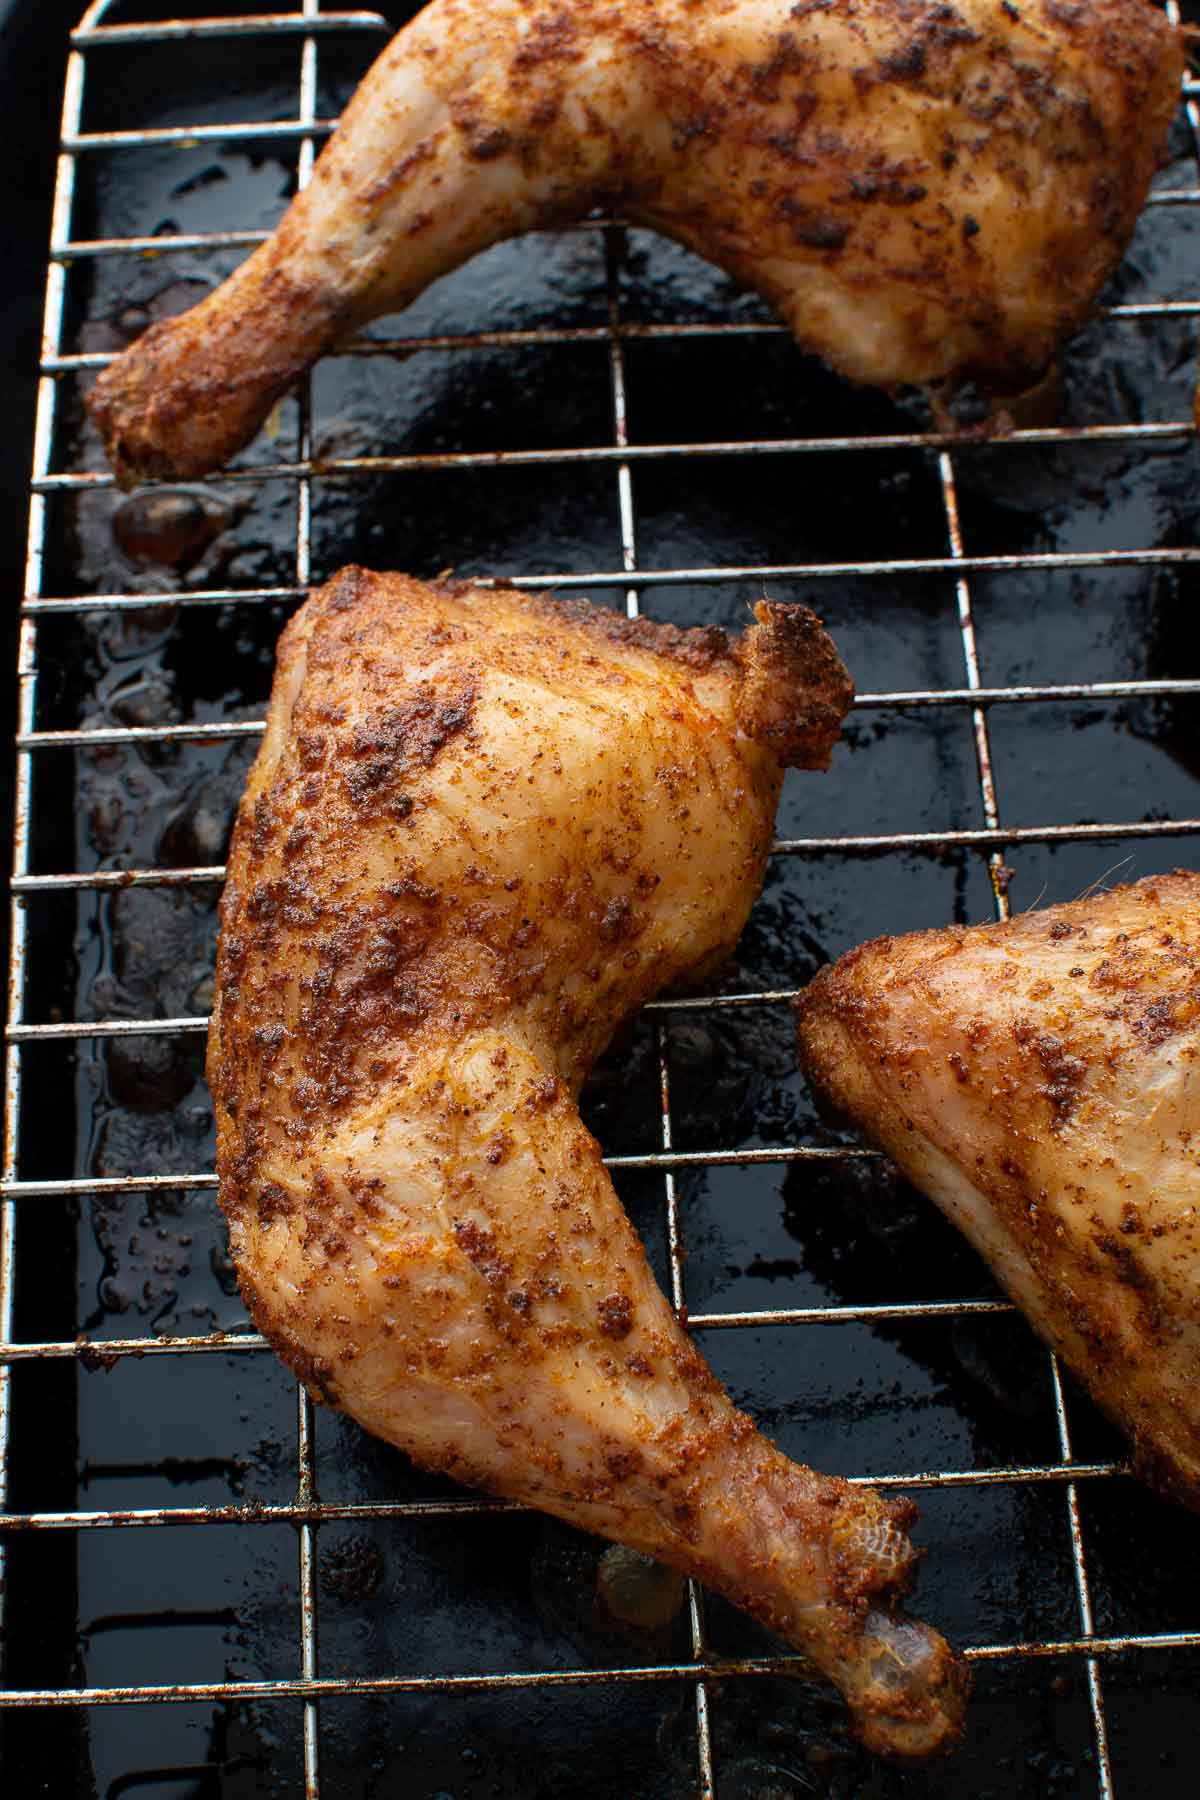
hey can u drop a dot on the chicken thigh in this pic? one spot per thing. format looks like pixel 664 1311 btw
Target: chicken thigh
pixel 483 829
pixel 1040 1080
pixel 923 190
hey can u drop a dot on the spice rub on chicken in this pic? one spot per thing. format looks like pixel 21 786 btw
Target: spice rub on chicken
pixel 482 829
pixel 924 190
pixel 1040 1080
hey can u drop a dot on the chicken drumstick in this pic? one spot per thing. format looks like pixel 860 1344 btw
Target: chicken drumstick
pixel 923 190
pixel 1040 1079
pixel 482 830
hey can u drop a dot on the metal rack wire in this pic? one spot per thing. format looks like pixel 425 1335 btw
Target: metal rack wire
pixel 95 37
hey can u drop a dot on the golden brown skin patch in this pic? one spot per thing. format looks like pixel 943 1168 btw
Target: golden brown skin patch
pixel 482 830
pixel 924 190
pixel 1040 1080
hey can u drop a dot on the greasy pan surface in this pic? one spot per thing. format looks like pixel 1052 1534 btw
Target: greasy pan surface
pixel 954 1391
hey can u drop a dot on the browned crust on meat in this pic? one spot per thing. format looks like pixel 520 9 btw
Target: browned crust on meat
pixel 191 391
pixel 480 830
pixel 1047 1025
pixel 382 971
pixel 700 648
pixel 796 690
pixel 924 190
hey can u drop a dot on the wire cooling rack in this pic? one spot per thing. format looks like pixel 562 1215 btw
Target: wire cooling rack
pixel 97 37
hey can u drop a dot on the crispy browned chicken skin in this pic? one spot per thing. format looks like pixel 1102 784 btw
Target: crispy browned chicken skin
pixel 923 190
pixel 1041 1081
pixel 482 830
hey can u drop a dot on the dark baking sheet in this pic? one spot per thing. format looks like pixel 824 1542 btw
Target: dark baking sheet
pixel 101 1607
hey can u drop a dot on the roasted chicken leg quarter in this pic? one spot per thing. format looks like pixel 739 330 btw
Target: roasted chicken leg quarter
pixel 923 190
pixel 1040 1080
pixel 483 829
